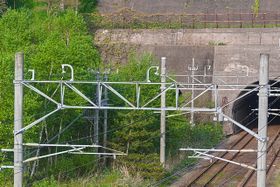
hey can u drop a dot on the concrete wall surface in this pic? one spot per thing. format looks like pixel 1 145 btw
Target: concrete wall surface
pixel 190 37
pixel 186 6
pixel 240 65
pixel 179 59
pixel 233 54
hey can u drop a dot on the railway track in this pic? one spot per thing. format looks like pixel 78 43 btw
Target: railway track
pixel 213 174
pixel 212 171
pixel 250 177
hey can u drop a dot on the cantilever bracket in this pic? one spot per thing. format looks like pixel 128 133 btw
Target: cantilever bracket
pixel 205 154
pixel 243 127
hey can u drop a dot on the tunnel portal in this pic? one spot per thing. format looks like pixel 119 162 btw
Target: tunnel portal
pixel 243 110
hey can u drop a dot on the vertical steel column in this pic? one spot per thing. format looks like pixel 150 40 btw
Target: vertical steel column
pixel 262 120
pixel 105 117
pixel 192 103
pixel 96 113
pixel 18 120
pixel 105 120
pixel 192 68
pixel 162 115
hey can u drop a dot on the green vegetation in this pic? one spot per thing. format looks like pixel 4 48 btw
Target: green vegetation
pixel 47 41
pixel 15 4
pixel 141 138
pixel 215 43
pixel 256 7
pixel 87 6
pixel 118 178
pixel 134 21
pixel 57 37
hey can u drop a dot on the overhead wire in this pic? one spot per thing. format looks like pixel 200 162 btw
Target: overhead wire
pixel 270 104
pixel 272 146
pixel 127 125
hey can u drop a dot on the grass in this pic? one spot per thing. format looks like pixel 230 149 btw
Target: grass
pixel 99 22
pixel 113 178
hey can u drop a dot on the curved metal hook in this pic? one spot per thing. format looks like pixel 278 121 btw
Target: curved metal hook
pixel 71 68
pixel 33 74
pixel 148 72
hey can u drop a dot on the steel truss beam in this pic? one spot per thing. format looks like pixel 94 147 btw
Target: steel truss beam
pixel 128 105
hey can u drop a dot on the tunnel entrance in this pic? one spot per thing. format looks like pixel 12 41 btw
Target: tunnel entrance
pixel 243 110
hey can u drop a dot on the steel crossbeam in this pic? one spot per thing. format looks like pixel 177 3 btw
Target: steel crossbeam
pixel 173 87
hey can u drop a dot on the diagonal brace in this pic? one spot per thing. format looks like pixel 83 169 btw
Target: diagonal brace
pixel 247 93
pixel 157 96
pixel 80 93
pixel 52 154
pixel 118 94
pixel 40 92
pixel 37 121
pixel 244 128
pixel 207 89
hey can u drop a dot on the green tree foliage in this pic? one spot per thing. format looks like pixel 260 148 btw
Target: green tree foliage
pixel 47 41
pixel 87 6
pixel 256 7
pixel 137 132
pixel 15 4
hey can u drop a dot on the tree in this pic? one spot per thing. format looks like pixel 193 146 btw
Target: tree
pixel 47 41
pixel 15 4
pixel 137 132
pixel 87 6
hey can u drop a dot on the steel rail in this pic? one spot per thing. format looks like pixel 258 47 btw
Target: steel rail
pixel 215 161
pixel 226 163
pixel 250 173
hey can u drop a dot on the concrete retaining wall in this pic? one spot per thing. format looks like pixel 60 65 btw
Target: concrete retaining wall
pixel 189 37
pixel 231 52
pixel 186 6
pixel 234 61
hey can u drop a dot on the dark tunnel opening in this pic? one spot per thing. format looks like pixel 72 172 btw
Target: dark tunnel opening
pixel 243 109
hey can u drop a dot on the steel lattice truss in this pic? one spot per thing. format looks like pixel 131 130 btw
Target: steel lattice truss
pixel 137 103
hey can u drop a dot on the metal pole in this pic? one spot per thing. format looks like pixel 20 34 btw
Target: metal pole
pixel 162 116
pixel 105 117
pixel 192 103
pixel 262 120
pixel 105 120
pixel 96 114
pixel 18 120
